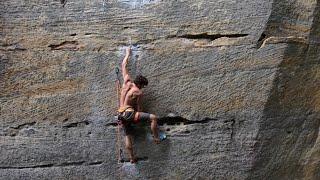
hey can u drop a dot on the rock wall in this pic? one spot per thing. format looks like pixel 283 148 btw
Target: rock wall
pixel 243 77
pixel 291 116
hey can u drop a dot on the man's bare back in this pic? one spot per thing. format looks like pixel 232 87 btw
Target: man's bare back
pixel 131 94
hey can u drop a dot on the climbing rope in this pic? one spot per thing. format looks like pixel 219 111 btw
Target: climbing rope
pixel 118 88
pixel 119 152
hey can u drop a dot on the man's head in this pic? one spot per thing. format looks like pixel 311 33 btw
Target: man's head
pixel 140 81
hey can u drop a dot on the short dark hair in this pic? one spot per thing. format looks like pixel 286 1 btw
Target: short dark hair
pixel 140 81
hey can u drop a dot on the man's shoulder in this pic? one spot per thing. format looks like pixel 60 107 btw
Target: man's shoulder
pixel 137 91
pixel 128 84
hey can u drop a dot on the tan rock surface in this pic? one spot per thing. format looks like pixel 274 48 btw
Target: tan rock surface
pixel 244 75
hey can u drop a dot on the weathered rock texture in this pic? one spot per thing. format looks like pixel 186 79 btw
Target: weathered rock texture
pixel 245 75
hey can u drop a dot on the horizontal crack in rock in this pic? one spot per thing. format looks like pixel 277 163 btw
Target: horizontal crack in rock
pixel 76 163
pixel 178 120
pixel 76 124
pixel 24 125
pixel 174 121
pixel 89 33
pixel 138 159
pixel 66 45
pixel 27 167
pixel 95 163
pixel 145 41
pixel 112 124
pixel 64 164
pixel 208 36
pixel 12 47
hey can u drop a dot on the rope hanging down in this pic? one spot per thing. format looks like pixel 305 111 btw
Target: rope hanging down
pixel 118 89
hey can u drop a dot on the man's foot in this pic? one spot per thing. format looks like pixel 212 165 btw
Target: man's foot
pixel 156 140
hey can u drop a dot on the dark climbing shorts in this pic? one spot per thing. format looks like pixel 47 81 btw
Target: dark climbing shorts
pixel 128 116
pixel 143 117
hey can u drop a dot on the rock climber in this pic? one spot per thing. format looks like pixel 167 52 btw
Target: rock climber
pixel 130 111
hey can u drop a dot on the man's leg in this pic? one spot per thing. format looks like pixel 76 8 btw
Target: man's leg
pixel 154 128
pixel 141 116
pixel 128 143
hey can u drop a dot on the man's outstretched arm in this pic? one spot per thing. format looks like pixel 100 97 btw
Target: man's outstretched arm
pixel 125 73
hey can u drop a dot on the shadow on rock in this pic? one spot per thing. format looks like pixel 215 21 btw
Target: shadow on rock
pixel 290 123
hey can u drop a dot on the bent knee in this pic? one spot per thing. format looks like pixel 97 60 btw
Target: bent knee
pixel 153 117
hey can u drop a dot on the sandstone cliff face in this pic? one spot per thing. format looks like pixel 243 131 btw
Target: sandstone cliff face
pixel 244 75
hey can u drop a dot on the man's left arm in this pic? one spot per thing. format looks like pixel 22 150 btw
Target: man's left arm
pixel 125 73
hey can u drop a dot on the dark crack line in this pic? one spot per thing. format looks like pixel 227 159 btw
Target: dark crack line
pixel 24 125
pixel 145 41
pixel 174 121
pixel 114 124
pixel 95 163
pixel 138 159
pixel 12 47
pixel 76 124
pixel 89 33
pixel 64 164
pixel 66 45
pixel 28 167
pixel 178 120
pixel 76 163
pixel 211 37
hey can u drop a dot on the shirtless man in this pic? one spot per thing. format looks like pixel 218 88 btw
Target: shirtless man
pixel 130 107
